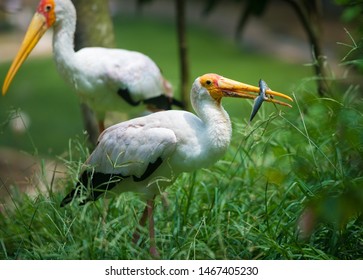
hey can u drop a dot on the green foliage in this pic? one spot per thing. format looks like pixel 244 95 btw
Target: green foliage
pixel 352 13
pixel 352 9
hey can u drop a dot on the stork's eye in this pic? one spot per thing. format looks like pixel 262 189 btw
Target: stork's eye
pixel 48 8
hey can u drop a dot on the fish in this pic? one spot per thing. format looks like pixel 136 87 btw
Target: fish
pixel 260 98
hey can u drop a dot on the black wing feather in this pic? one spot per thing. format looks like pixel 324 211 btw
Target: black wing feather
pixel 94 184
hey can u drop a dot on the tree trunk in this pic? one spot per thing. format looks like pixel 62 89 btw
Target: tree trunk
pixel 183 53
pixel 309 13
pixel 94 29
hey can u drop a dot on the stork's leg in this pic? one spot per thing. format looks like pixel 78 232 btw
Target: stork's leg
pixel 148 214
pixel 142 222
pixel 150 209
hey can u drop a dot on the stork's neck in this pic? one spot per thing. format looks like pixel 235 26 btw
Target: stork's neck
pixel 63 43
pixel 217 123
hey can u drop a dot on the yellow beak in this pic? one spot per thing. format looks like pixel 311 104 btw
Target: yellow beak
pixel 231 88
pixel 37 28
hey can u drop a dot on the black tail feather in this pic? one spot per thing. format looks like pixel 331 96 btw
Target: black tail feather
pixel 91 185
pixel 164 102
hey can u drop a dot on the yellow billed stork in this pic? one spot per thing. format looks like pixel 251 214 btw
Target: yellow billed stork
pixel 105 79
pixel 146 154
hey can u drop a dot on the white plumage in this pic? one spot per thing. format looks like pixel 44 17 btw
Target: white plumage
pixel 146 154
pixel 105 79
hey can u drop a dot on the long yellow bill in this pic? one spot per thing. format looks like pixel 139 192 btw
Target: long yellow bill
pixel 231 88
pixel 37 28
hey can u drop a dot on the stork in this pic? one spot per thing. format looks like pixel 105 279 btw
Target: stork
pixel 146 154
pixel 106 79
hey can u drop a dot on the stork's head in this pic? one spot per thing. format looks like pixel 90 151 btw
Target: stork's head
pixel 48 13
pixel 213 87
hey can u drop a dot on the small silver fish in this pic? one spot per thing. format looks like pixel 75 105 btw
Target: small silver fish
pixel 259 99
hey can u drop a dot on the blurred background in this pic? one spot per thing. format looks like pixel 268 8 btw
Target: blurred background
pixel 307 49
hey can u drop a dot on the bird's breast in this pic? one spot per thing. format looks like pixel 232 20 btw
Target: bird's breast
pixel 198 147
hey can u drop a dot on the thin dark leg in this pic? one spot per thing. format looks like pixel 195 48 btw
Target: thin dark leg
pixel 150 207
pixel 142 222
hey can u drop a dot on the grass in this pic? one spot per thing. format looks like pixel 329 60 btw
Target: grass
pixel 289 186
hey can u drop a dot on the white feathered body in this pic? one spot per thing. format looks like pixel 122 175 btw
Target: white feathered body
pixel 178 138
pixel 97 74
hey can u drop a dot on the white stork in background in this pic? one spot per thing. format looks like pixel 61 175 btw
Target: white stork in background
pixel 146 154
pixel 105 79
